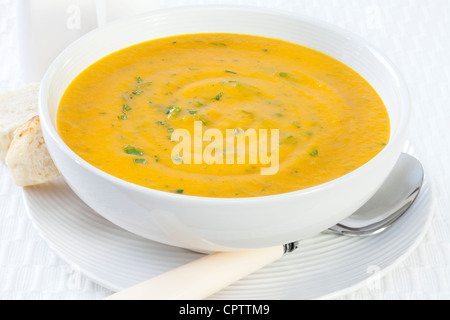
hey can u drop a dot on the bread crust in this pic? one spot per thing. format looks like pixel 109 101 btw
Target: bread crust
pixel 28 158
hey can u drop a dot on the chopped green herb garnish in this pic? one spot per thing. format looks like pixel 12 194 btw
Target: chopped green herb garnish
pixel 173 111
pixel 126 108
pixel 136 93
pixel 202 118
pixel 162 123
pixel 219 96
pixel 229 71
pixel 180 191
pixel 199 104
pixel 177 159
pixel 238 84
pixel 279 115
pixel 314 152
pixel 193 112
pixel 171 130
pixel 141 161
pixel 176 109
pixel 134 150
pixel 157 158
pixel 238 131
pixel 283 74
pixel 139 80
pixel 296 124
pixel 122 117
pixel 289 140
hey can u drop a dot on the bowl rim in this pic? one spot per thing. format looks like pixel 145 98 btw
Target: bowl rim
pixel 52 133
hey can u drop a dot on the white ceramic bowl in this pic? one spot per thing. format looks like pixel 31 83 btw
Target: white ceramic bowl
pixel 211 224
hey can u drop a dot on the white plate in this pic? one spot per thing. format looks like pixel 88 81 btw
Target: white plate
pixel 324 267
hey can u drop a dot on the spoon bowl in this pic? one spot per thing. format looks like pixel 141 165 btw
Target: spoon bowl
pixel 391 201
pixel 205 276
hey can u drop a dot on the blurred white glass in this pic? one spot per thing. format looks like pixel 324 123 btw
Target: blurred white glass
pixel 46 27
pixel 110 10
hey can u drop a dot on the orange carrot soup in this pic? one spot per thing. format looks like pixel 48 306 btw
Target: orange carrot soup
pixel 168 114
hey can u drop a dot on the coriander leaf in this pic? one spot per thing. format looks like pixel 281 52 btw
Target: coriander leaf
pixel 173 111
pixel 314 152
pixel 134 150
pixel 238 131
pixel 177 159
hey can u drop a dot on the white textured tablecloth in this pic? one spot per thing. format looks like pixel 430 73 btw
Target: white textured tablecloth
pixel 414 34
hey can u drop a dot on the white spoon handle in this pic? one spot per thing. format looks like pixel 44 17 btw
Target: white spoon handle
pixel 202 277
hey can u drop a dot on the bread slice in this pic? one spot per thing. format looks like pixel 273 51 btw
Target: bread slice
pixel 28 158
pixel 16 107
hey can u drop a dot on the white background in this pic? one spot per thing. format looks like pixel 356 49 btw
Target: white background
pixel 414 34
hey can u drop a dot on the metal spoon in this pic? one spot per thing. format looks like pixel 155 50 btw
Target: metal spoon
pixel 395 196
pixel 205 276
